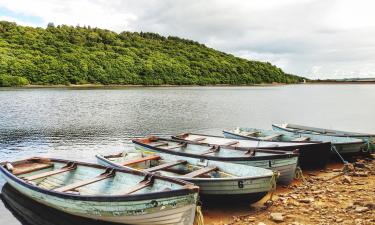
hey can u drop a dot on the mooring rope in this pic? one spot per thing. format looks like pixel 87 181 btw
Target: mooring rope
pixel 368 146
pixel 273 184
pixel 333 149
pixel 299 174
pixel 198 220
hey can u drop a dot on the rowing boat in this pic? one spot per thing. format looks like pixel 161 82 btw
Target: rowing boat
pixel 311 155
pixel 314 130
pixel 342 144
pixel 96 192
pixel 217 181
pixel 283 162
pixel 31 212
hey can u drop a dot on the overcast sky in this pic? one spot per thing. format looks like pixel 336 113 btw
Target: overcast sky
pixel 312 38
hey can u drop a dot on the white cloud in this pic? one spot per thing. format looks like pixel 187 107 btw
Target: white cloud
pixel 336 36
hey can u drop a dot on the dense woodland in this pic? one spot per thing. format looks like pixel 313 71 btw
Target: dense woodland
pixel 83 55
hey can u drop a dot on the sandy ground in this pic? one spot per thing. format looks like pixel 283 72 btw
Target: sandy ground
pixel 336 195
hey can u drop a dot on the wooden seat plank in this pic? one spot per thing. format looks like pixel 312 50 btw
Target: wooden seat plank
pixel 165 166
pixel 198 139
pixel 30 167
pixel 270 137
pixel 211 150
pixel 139 186
pixel 200 172
pixel 139 160
pixel 76 185
pixel 50 173
pixel 246 133
pixel 177 146
pixel 157 144
pixel 231 143
pixel 301 139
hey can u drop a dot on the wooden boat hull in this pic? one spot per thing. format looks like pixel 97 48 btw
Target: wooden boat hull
pixel 343 145
pixel 351 146
pixel 166 209
pixel 311 155
pixel 285 166
pixel 245 187
pixel 328 132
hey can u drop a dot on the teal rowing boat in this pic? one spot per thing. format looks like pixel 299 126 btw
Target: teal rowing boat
pixel 342 144
pixel 101 193
pixel 283 162
pixel 217 181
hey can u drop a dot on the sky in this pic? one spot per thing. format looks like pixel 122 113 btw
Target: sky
pixel 312 38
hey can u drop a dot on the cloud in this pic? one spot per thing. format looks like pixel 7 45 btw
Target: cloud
pixel 313 38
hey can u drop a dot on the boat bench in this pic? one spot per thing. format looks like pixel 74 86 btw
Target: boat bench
pixel 108 174
pixel 165 166
pixel 301 139
pixel 270 137
pixel 200 172
pixel 139 160
pixel 64 169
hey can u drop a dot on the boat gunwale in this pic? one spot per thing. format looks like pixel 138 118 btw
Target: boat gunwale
pixel 360 141
pixel 313 142
pixel 344 133
pixel 284 155
pixel 304 143
pixel 187 187
pixel 195 179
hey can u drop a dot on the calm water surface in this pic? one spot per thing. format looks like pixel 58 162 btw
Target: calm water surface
pixel 79 123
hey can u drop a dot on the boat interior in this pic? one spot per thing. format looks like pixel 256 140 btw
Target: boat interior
pixel 156 164
pixel 209 150
pixel 86 179
pixel 208 139
pixel 300 137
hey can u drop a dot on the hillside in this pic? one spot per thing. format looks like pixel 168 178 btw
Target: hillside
pixel 82 55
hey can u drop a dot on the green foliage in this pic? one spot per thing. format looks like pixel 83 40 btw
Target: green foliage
pixel 81 55
pixel 11 81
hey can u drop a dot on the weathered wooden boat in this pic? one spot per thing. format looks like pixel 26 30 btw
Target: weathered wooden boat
pixel 100 193
pixel 311 155
pixel 31 212
pixel 283 162
pixel 342 144
pixel 217 181
pixel 314 130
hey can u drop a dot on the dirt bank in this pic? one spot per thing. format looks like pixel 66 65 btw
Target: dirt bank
pixel 337 195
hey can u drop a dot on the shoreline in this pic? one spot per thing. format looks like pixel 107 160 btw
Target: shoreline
pixel 331 196
pixel 114 86
pixel 138 85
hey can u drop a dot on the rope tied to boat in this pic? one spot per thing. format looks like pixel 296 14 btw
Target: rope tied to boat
pixel 298 175
pixel 273 183
pixel 334 149
pixel 198 220
pixel 368 146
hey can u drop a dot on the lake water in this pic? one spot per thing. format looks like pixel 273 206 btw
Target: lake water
pixel 79 123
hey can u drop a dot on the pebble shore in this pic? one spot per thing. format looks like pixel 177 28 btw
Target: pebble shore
pixel 343 195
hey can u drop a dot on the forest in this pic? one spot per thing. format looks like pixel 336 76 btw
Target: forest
pixel 68 55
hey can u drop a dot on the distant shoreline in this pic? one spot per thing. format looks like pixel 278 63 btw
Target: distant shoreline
pixel 170 85
pixel 129 85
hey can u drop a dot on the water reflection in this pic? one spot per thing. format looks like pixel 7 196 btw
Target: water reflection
pixel 30 212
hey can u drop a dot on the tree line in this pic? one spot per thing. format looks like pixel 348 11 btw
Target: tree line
pixel 84 55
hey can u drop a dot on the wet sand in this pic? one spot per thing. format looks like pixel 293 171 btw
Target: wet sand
pixel 326 197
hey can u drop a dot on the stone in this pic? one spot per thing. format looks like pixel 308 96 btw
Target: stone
pixel 360 209
pixel 277 217
pixel 370 205
pixel 261 223
pixel 347 180
pixel 360 174
pixel 359 165
pixel 306 200
pixel 250 219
